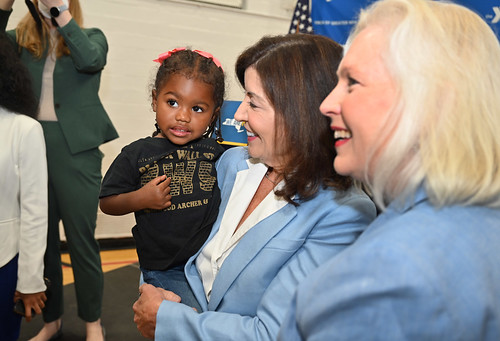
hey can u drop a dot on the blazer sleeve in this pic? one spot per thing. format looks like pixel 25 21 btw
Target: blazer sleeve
pixel 88 47
pixel 33 219
pixel 337 228
pixel 381 291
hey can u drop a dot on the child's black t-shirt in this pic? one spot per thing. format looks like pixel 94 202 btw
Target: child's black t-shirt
pixel 167 238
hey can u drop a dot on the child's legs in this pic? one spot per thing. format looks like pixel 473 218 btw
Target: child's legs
pixel 173 280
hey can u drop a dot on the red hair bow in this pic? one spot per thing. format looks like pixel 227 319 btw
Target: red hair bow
pixel 207 55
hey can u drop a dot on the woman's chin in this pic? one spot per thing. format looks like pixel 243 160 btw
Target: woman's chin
pixel 343 168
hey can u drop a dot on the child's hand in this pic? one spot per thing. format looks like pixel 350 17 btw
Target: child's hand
pixel 156 193
pixel 35 302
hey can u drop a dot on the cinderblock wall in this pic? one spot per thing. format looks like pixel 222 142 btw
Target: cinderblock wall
pixel 139 30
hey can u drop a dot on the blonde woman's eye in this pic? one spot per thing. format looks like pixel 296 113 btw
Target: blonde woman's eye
pixel 351 84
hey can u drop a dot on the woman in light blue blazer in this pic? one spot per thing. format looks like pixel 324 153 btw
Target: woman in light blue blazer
pixel 415 114
pixel 284 210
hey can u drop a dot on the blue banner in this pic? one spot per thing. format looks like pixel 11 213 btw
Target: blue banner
pixel 335 18
pixel 233 133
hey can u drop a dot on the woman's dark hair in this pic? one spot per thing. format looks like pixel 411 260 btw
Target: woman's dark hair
pixel 190 64
pixel 297 72
pixel 16 93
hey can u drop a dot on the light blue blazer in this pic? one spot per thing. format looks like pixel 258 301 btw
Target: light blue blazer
pixel 255 285
pixel 417 273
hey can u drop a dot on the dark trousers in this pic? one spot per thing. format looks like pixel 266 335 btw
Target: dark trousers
pixel 74 184
pixel 10 322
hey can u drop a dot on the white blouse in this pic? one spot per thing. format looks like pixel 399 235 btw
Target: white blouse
pixel 213 255
pixel 46 110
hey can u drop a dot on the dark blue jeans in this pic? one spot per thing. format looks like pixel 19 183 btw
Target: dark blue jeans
pixel 10 322
pixel 173 280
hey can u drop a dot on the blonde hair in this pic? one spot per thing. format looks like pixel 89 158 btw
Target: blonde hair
pixel 35 40
pixel 442 130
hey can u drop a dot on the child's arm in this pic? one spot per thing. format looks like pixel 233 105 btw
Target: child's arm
pixel 154 195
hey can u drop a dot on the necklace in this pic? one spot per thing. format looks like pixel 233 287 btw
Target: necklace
pixel 268 178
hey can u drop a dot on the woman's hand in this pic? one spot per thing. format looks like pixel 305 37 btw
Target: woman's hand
pixel 34 301
pixel 52 3
pixel 146 307
pixel 63 18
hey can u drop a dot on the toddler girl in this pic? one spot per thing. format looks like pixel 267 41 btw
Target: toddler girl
pixel 169 180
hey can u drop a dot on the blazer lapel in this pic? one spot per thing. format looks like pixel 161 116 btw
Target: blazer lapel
pixel 246 250
pixel 191 271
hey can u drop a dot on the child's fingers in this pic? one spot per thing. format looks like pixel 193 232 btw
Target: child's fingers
pixel 28 316
pixel 165 186
pixel 158 180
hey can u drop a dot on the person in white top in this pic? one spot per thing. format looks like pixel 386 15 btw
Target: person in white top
pixel 23 198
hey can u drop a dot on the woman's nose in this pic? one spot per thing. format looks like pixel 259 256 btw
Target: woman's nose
pixel 331 104
pixel 241 113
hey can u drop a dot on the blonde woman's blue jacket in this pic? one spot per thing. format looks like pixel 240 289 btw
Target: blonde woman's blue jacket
pixel 80 113
pixel 254 286
pixel 416 273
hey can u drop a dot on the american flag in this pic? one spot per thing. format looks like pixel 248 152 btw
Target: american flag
pixel 301 21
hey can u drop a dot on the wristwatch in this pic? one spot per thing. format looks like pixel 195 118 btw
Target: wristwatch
pixel 55 11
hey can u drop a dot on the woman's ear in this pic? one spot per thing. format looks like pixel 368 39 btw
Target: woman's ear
pixel 153 101
pixel 215 115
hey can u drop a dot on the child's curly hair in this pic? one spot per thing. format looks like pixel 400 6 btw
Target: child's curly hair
pixel 193 65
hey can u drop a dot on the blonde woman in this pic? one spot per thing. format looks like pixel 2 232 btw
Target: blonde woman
pixel 415 114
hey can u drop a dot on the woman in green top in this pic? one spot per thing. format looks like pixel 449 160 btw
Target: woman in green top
pixel 65 62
